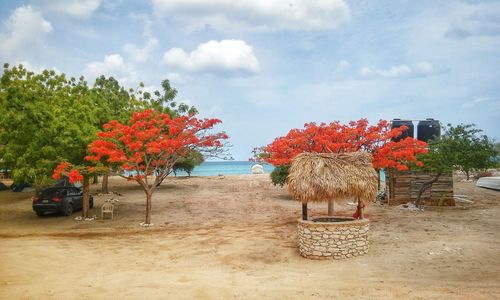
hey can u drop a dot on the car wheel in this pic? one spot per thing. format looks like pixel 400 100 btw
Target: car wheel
pixel 68 209
pixel 40 213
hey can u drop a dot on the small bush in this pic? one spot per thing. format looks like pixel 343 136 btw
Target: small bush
pixel 279 175
pixel 187 163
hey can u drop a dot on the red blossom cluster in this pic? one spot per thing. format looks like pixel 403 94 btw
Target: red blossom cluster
pixel 152 142
pixel 67 169
pixel 354 136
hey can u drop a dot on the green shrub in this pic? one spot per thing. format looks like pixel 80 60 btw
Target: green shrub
pixel 188 163
pixel 279 175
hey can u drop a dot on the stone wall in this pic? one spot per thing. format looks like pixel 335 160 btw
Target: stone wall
pixel 337 240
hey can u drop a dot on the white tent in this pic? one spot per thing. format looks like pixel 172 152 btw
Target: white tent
pixel 257 169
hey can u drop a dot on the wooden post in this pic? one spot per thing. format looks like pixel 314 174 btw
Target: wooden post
pixel 378 177
pixel 330 208
pixel 360 209
pixel 304 211
pixel 391 186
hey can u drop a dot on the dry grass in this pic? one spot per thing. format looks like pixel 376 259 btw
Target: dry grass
pixel 320 177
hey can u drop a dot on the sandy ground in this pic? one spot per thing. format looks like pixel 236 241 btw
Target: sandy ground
pixel 236 238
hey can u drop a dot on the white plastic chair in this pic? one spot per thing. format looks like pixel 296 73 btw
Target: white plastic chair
pixel 107 208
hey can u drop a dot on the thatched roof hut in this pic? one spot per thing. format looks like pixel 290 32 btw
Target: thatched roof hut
pixel 322 177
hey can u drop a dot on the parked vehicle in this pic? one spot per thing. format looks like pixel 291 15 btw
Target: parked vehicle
pixel 63 200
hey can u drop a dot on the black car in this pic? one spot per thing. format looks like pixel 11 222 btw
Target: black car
pixel 63 200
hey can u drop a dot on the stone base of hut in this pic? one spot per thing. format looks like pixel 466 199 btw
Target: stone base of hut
pixel 333 240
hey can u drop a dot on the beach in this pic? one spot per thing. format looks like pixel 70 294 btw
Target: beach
pixel 236 237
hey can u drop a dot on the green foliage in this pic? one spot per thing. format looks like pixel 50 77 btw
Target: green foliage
pixel 459 148
pixel 279 175
pixel 162 102
pixel 496 161
pixel 187 164
pixel 112 101
pixel 44 118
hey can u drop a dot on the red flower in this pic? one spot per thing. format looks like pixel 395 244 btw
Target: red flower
pixel 336 138
pixel 75 176
pixel 152 141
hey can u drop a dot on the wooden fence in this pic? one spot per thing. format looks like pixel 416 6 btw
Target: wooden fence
pixel 404 187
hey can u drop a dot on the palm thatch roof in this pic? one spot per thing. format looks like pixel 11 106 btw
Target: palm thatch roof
pixel 320 177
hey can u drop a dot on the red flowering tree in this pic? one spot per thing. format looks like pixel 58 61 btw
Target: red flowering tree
pixel 76 173
pixel 146 149
pixel 338 138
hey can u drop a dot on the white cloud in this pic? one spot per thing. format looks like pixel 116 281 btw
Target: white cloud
pixel 113 65
pixel 222 57
pixel 417 70
pixel 141 54
pixel 479 20
pixel 175 77
pixel 260 15
pixel 424 68
pixel 37 68
pixel 81 9
pixel 22 32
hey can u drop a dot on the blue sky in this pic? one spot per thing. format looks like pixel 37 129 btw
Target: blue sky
pixel 267 66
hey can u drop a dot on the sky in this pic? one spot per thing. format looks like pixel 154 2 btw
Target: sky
pixel 266 66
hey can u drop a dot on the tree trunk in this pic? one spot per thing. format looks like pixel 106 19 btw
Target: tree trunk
pixel 149 195
pixel 467 175
pixel 104 188
pixel 424 187
pixel 330 207
pixel 304 211
pixel 86 196
pixel 95 180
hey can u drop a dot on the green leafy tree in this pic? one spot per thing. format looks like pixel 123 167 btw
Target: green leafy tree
pixel 162 101
pixel 439 160
pixel 188 163
pixel 44 118
pixel 459 148
pixel 473 151
pixel 47 118
pixel 112 102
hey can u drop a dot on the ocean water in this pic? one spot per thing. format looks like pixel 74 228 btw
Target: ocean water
pixel 214 168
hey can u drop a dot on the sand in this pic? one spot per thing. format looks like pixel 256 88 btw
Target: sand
pixel 236 238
